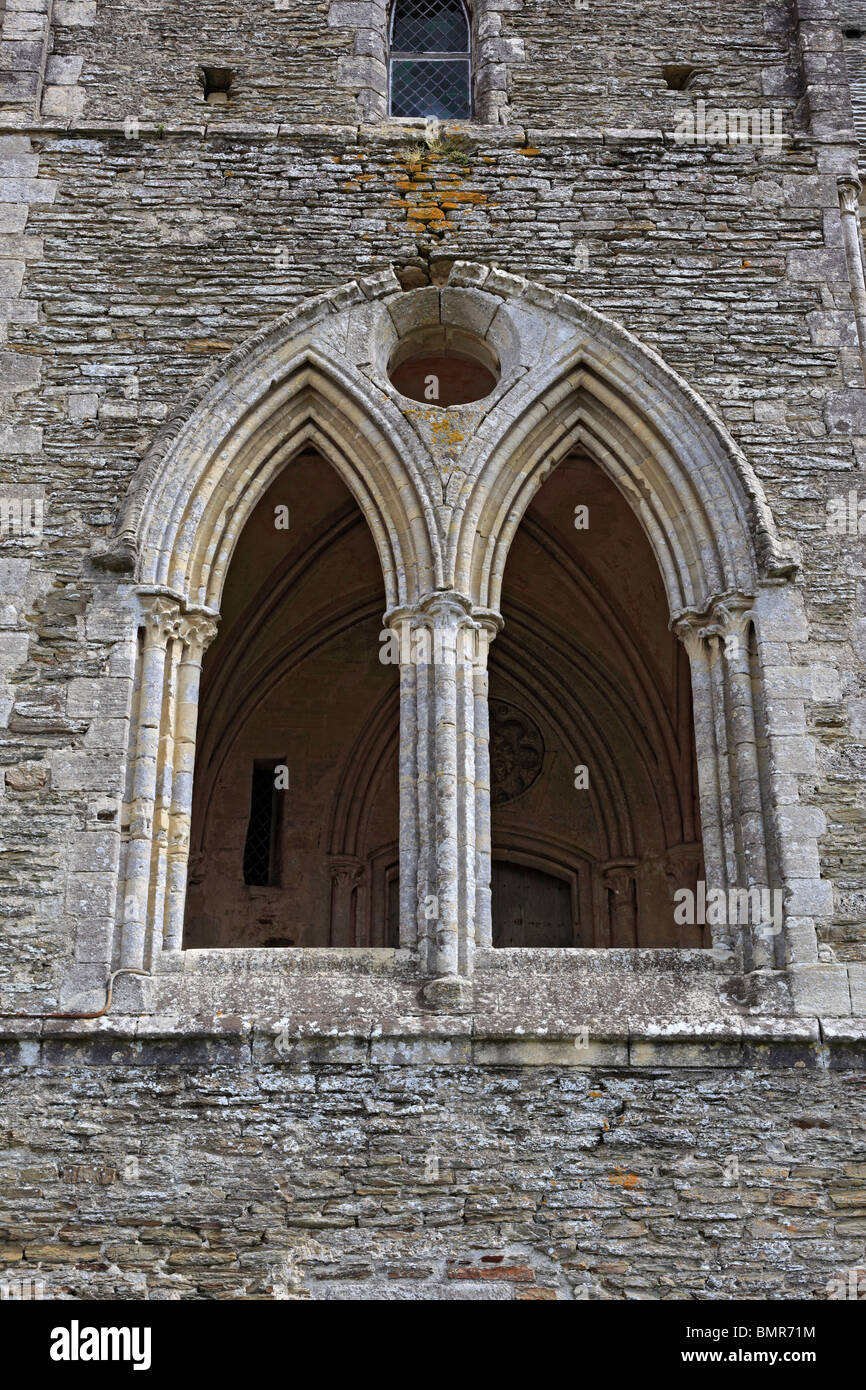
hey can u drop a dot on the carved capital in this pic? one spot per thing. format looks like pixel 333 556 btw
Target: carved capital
pixel 620 877
pixel 346 871
pixel 198 631
pixel 443 628
pixel 849 194
pixel 161 616
pixel 726 616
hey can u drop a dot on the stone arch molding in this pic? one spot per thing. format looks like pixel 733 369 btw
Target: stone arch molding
pixel 443 493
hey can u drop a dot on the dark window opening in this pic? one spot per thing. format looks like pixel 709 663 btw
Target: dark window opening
pixel 261 850
pixel 853 33
pixel 430 61
pixel 679 76
pixel 444 366
pixel 392 916
pixel 217 85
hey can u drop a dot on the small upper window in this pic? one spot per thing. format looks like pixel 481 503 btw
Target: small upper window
pixel 430 64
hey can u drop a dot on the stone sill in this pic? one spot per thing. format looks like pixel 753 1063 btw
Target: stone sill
pixel 514 992
pixel 387 133
pixel 402 963
pixel 751 1044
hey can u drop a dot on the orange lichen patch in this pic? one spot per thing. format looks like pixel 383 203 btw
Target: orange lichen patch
pixel 466 196
pixel 528 150
pixel 596 1095
pixel 621 1179
pixel 350 186
pixel 431 195
pixel 446 434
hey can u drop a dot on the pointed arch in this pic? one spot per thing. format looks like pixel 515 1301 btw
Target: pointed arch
pixel 272 397
pixel 443 516
pixel 589 382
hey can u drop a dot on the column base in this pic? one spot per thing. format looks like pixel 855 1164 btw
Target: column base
pixel 451 994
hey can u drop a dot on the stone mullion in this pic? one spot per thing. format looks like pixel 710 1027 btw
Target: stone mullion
pixel 197 631
pixel 159 614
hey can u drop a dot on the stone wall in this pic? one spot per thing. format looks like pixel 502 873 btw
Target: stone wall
pixel 211 1178
pixel 160 254
pixel 146 234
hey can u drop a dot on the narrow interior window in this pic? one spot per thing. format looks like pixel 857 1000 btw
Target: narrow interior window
pixel 430 65
pixel 261 849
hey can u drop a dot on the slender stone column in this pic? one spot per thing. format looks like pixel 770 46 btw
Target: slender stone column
pixel 487 626
pixel 426 901
pixel 445 614
pixel 408 812
pixel 711 635
pixel 347 873
pixel 160 616
pixel 849 208
pixel 733 625
pixel 164 791
pixel 620 879
pixel 710 757
pixel 444 788
pixel 196 631
pixel 729 775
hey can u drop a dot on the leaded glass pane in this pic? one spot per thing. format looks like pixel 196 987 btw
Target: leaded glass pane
pixel 429 26
pixel 426 87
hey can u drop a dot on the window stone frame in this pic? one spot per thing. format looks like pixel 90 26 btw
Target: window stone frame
pixel 569 374
pixel 366 70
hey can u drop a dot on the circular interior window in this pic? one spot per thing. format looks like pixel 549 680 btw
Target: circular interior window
pixel 443 366
pixel 516 752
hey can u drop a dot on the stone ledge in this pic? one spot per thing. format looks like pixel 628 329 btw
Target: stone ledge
pixel 386 132
pixel 751 1044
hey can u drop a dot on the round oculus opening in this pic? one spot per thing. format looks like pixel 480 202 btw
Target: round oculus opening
pixel 443 366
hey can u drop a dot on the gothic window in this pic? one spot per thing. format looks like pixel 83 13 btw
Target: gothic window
pixel 261 850
pixel 430 63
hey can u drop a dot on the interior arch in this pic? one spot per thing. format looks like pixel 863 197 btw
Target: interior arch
pixel 587 654
pixel 293 681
